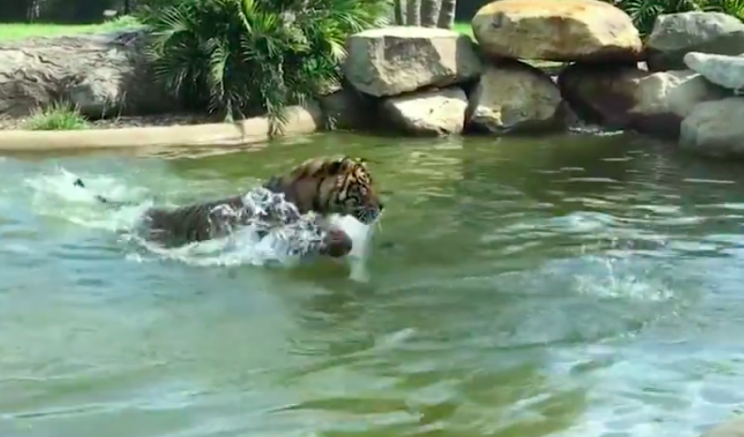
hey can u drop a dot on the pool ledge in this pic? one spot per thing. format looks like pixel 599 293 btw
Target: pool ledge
pixel 250 131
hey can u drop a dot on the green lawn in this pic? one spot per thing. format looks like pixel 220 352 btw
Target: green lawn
pixel 21 30
pixel 14 31
pixel 463 28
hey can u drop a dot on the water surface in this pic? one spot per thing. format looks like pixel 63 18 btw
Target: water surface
pixel 565 286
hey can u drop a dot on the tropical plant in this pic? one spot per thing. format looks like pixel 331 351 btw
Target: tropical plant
pixel 242 57
pixel 644 12
pixel 730 7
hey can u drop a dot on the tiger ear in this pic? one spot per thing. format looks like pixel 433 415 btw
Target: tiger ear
pixel 335 167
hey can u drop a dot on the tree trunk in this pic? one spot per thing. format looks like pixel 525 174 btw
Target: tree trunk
pixel 447 14
pixel 400 12
pixel 430 12
pixel 413 12
pixel 34 11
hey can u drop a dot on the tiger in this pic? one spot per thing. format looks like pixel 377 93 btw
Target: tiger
pixel 322 185
pixel 338 185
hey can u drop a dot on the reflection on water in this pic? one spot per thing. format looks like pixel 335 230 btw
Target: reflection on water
pixel 568 286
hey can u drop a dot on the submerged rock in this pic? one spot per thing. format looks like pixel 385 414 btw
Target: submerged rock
pixel 627 97
pixel 513 95
pixel 399 59
pixel 715 128
pixel 565 30
pixel 723 70
pixel 675 35
pixel 435 112
pixel 731 428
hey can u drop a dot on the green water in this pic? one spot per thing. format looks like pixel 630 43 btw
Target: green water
pixel 566 286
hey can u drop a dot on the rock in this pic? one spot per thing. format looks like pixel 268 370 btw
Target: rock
pixel 565 30
pixel 675 35
pixel 723 70
pixel 428 113
pixel 625 97
pixel 101 74
pixel 399 59
pixel 715 128
pixel 512 96
pixel 348 109
pixel 731 428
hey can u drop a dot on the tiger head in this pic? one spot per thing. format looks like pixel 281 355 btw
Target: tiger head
pixel 326 186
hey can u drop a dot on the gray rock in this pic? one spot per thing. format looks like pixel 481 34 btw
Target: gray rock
pixel 715 129
pixel 631 98
pixel 348 109
pixel 562 31
pixel 675 35
pixel 428 113
pixel 723 70
pixel 513 96
pixel 395 60
pixel 104 74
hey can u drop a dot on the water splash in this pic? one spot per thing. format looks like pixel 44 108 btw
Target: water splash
pixel 55 195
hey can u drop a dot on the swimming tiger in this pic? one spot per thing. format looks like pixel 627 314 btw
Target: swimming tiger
pixel 325 186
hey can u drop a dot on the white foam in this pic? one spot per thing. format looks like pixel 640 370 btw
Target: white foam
pixel 55 195
pixel 361 237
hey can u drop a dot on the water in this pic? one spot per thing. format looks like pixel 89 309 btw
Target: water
pixel 565 286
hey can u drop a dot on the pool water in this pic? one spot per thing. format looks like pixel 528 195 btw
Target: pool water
pixel 574 285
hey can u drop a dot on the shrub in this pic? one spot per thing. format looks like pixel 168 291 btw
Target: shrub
pixel 243 57
pixel 644 12
pixel 59 116
pixel 121 22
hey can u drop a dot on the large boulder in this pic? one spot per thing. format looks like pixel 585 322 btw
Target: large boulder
pixel 675 35
pixel 723 70
pixel 399 59
pixel 715 128
pixel 428 113
pixel 565 30
pixel 101 74
pixel 513 96
pixel 627 97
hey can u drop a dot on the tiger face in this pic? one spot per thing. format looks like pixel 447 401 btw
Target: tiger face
pixel 348 189
pixel 341 185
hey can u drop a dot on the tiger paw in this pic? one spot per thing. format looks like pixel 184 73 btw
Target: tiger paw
pixel 336 244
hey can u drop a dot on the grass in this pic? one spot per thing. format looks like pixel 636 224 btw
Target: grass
pixel 15 31
pixel 59 116
pixel 463 28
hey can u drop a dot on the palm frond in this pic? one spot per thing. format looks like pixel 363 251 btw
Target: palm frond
pixel 249 56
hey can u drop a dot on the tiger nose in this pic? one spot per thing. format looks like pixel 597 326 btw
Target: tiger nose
pixel 382 206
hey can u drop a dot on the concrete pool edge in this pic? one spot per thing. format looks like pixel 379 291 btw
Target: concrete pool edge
pixel 300 121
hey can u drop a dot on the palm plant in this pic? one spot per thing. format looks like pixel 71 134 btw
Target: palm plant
pixel 730 7
pixel 242 57
pixel 644 12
